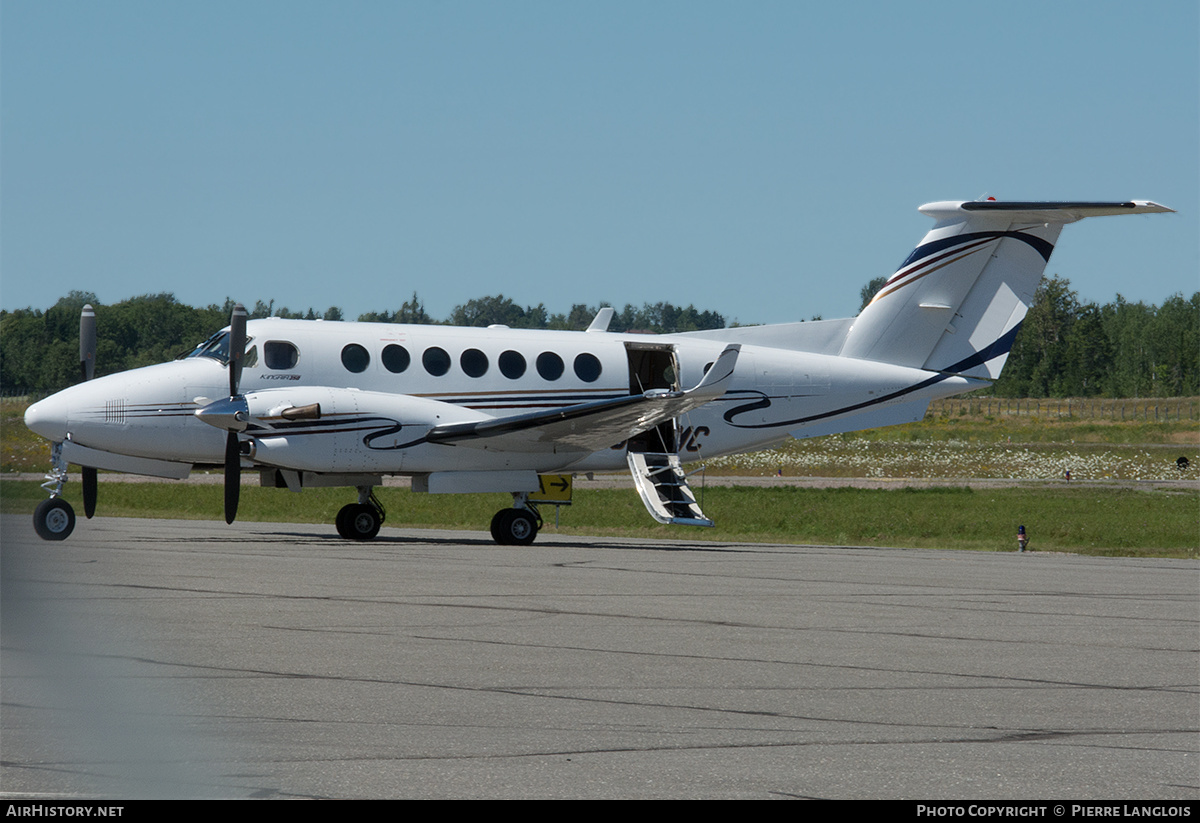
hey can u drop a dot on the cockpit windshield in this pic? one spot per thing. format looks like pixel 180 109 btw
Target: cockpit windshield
pixel 216 347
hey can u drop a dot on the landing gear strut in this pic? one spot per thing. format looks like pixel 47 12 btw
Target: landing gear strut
pixel 519 525
pixel 361 520
pixel 54 519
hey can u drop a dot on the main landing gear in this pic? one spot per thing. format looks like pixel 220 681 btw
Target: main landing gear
pixel 514 527
pixel 361 520
pixel 519 525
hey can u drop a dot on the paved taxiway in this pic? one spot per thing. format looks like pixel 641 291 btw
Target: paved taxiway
pixel 155 657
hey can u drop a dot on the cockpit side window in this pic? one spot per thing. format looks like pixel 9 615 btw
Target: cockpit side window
pixel 280 354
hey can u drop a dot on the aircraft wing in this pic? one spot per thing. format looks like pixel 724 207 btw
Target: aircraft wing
pixel 589 427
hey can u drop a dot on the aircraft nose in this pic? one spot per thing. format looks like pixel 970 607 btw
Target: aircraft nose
pixel 48 418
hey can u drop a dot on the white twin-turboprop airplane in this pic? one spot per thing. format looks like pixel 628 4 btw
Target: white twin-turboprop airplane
pixel 489 409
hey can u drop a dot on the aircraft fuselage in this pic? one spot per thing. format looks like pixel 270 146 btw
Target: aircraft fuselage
pixel 396 382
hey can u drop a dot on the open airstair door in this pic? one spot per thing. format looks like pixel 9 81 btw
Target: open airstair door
pixel 663 486
pixel 653 455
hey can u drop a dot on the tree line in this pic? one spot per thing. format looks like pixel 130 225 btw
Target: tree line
pixel 1065 349
pixel 1120 349
pixel 656 318
pixel 39 350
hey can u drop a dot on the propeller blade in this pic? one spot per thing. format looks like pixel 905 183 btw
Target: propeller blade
pixel 87 370
pixel 237 347
pixel 233 458
pixel 87 343
pixel 89 491
pixel 233 476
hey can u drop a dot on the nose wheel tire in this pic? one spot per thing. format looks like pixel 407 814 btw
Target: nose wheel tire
pixel 514 527
pixel 358 521
pixel 54 519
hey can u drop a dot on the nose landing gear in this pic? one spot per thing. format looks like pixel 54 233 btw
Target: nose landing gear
pixel 54 519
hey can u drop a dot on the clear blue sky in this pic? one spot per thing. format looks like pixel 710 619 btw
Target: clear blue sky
pixel 762 159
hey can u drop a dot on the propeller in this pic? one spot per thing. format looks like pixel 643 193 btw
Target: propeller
pixel 87 342
pixel 87 370
pixel 233 459
pixel 90 491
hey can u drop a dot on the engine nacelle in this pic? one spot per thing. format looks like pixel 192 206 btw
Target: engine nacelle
pixel 320 429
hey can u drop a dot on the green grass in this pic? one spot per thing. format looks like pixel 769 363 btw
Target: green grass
pixel 20 449
pixel 1082 520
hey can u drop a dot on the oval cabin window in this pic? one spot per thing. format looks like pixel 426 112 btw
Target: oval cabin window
pixel 587 367
pixel 549 365
pixel 355 358
pixel 512 364
pixel 474 363
pixel 436 361
pixel 395 358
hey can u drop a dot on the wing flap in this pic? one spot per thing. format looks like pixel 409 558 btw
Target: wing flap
pixel 588 427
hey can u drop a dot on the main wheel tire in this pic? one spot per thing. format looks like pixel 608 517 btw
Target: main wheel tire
pixel 497 534
pixel 343 529
pixel 54 519
pixel 514 527
pixel 358 521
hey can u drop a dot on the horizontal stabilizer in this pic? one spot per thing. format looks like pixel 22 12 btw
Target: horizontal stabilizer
pixel 1064 211
pixel 956 304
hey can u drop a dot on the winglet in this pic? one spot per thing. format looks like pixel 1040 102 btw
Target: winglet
pixel 713 382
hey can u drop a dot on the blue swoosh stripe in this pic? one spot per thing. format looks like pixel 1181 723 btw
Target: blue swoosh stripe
pixel 1001 346
pixel 1041 246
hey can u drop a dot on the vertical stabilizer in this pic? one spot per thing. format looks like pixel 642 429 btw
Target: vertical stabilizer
pixel 956 303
